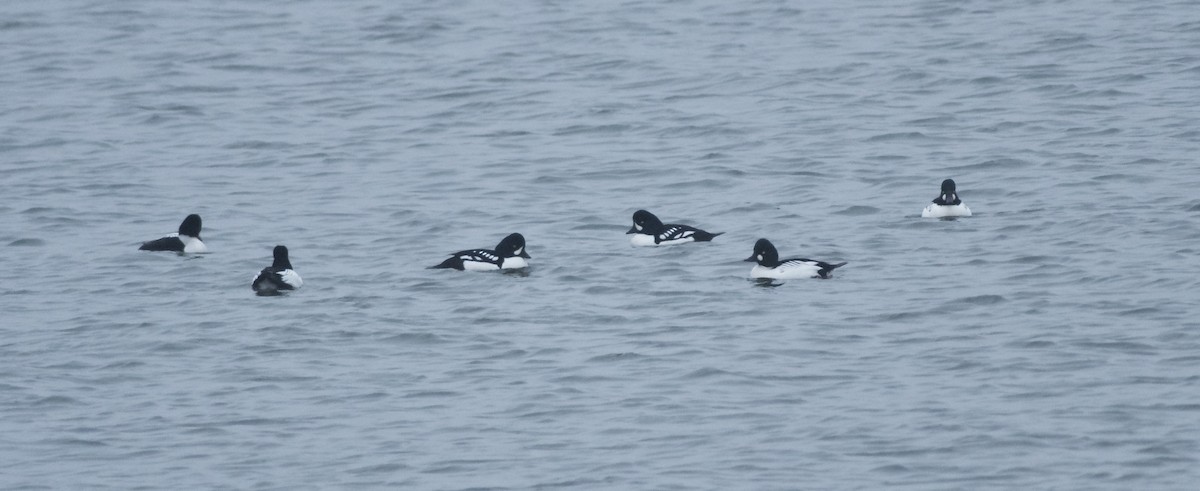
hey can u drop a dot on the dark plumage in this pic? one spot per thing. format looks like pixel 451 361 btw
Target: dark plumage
pixel 645 223
pixel 189 228
pixel 279 276
pixel 169 243
pixel 508 254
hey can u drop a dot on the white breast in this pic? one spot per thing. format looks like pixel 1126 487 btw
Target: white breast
pixel 642 240
pixel 515 262
pixel 193 245
pixel 944 211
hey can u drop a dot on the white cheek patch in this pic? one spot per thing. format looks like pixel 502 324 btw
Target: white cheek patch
pixel 760 257
pixel 519 251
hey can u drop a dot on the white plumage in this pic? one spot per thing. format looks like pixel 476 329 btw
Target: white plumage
pixel 788 270
pixel 946 211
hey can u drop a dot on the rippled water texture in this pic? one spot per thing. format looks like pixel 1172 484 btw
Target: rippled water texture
pixel 1049 342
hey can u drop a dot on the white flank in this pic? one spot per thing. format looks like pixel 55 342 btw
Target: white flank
pixel 291 277
pixel 946 211
pixel 192 245
pixel 469 265
pixel 788 270
pixel 681 240
pixel 643 240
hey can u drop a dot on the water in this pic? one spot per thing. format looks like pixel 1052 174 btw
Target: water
pixel 1050 341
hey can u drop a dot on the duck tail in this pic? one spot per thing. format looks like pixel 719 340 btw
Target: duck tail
pixel 453 262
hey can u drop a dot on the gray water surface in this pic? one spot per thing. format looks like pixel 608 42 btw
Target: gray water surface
pixel 1051 341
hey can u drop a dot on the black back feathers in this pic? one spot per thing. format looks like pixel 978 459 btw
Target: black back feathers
pixel 190 227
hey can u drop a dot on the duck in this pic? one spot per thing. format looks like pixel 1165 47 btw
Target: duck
pixel 186 240
pixel 770 266
pixel 947 204
pixel 508 254
pixel 279 276
pixel 649 231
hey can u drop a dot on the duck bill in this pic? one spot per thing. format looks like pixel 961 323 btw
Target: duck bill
pixel 524 255
pixel 751 259
pixel 632 230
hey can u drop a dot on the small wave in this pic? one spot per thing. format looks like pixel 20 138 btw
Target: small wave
pixel 248 68
pixel 256 145
pixel 55 401
pixel 705 373
pixel 614 357
pixel 695 131
pixel 510 354
pixel 1140 312
pixel 583 129
pixel 1123 346
pixel 386 469
pixel 77 442
pixel 202 89
pixel 858 210
pixel 459 94
pixel 259 422
pixel 47 142
pixel 936 120
pixel 911 135
pixel 1032 260
pixel 996 164
pixel 415 338
pixel 603 290
pixel 422 394
pixel 989 80
pixel 1124 178
pixel 980 300
pixel 1036 344
pixel 175 108
pixel 898 316
pixel 505 134
pixel 12 25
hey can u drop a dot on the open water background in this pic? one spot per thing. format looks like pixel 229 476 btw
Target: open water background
pixel 1050 342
